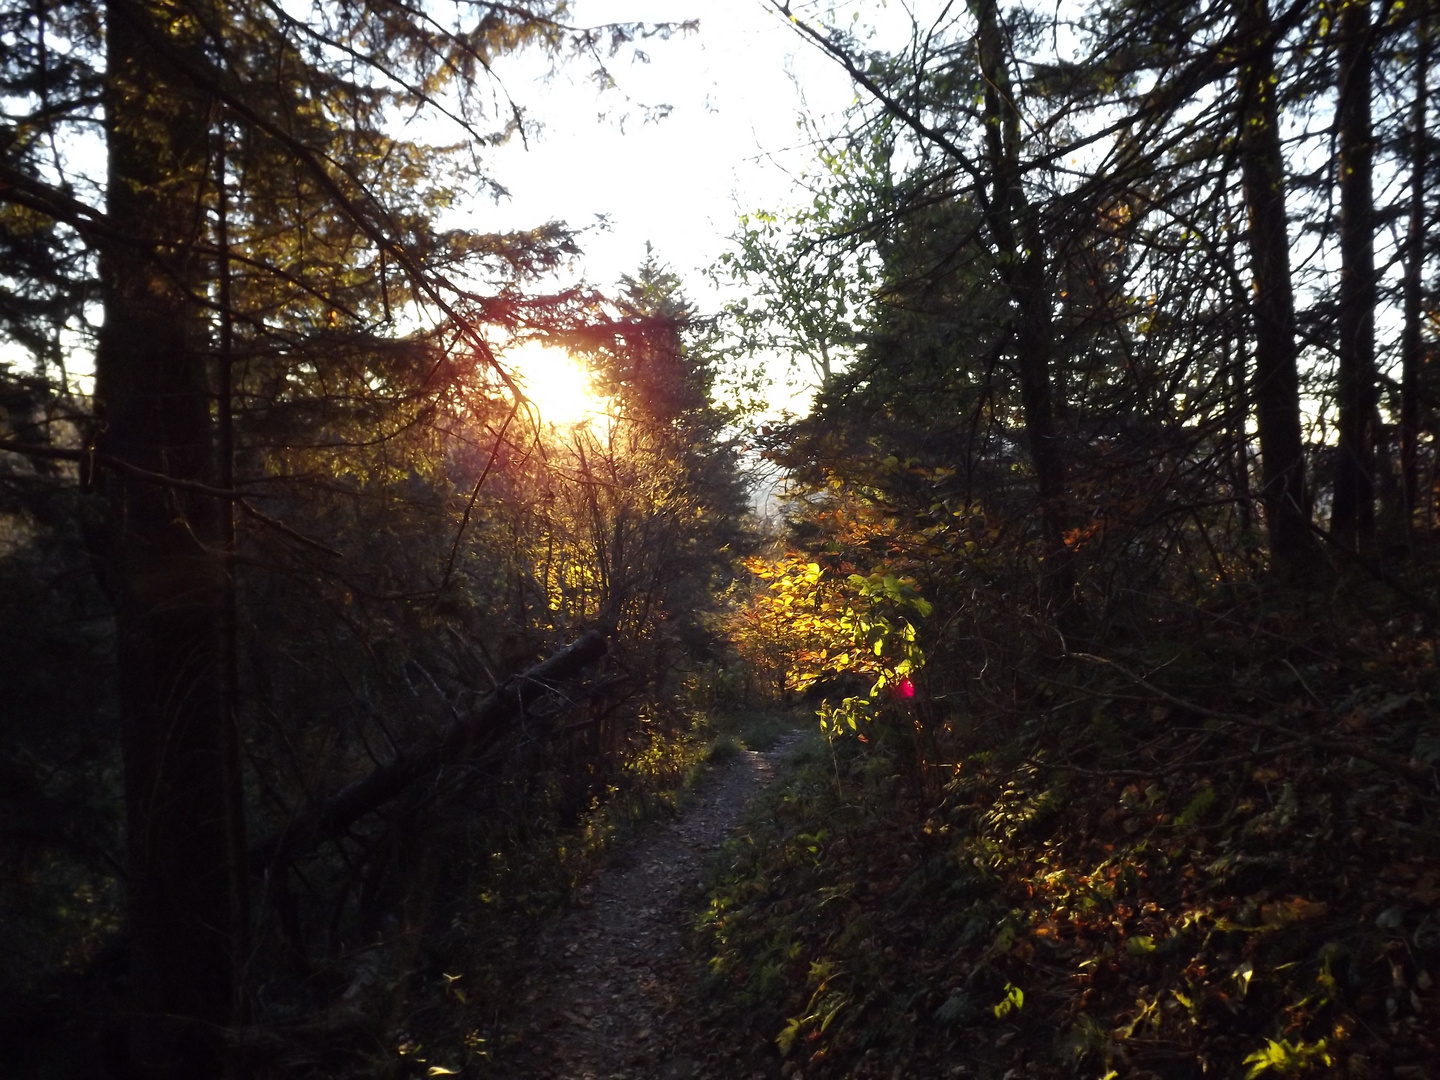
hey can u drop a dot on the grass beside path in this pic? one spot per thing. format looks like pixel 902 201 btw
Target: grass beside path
pixel 733 730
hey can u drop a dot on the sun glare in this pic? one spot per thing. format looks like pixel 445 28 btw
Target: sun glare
pixel 556 383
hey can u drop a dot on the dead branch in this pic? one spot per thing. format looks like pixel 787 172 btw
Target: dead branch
pixel 490 719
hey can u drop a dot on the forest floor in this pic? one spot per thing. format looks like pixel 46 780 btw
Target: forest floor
pixel 608 993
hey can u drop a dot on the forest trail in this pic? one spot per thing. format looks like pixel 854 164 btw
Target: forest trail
pixel 606 994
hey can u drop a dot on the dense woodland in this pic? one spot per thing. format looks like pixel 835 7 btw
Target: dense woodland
pixel 1104 574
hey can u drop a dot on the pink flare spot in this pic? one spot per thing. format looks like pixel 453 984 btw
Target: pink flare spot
pixel 905 689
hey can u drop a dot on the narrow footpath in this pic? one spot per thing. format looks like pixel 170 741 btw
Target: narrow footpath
pixel 606 995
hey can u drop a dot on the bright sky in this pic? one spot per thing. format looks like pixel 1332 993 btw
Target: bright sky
pixel 731 143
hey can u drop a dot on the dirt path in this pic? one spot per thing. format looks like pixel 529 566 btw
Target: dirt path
pixel 604 998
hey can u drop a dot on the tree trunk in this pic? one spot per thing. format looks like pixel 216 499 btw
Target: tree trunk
pixel 1237 411
pixel 229 655
pixel 1410 341
pixel 1352 518
pixel 1277 383
pixel 1010 220
pixel 164 567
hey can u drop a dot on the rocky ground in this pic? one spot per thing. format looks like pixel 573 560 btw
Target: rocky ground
pixel 607 994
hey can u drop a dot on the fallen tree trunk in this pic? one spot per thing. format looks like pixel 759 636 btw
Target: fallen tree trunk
pixel 488 720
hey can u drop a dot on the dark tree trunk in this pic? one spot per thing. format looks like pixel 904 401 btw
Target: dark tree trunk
pixel 1410 342
pixel 164 566
pixel 229 656
pixel 1019 251
pixel 1276 389
pixel 1352 518
pixel 1237 414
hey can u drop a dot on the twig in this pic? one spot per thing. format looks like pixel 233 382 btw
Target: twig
pixel 285 530
pixel 175 483
pixel 470 506
pixel 1415 774
pixel 1166 770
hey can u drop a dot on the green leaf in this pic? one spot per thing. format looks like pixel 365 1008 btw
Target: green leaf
pixel 1140 946
pixel 1286 1057
pixel 786 1039
pixel 1013 1001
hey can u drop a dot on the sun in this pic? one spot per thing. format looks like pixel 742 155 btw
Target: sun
pixel 557 384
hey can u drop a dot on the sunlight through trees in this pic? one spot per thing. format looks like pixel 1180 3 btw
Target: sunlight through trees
pixel 382 583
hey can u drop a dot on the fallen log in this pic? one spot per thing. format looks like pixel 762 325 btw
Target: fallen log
pixel 489 719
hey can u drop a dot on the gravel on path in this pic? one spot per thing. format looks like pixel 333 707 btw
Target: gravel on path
pixel 606 993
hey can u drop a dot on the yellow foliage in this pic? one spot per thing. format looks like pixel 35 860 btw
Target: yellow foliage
pixel 805 622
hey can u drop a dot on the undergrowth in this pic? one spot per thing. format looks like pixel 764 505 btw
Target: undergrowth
pixel 1216 855
pixel 507 877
